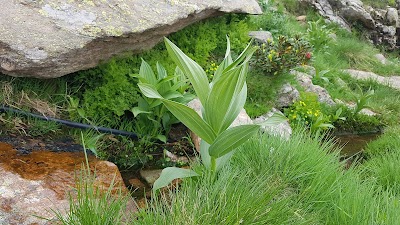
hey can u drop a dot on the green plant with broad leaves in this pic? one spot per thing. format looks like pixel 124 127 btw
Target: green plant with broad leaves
pixel 362 101
pixel 221 100
pixel 152 111
pixel 318 35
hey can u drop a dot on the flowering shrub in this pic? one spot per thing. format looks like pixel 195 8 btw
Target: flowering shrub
pixel 308 112
pixel 281 56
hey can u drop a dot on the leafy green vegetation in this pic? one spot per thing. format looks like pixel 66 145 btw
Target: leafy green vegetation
pixel 282 55
pixel 267 180
pixel 296 182
pixel 221 101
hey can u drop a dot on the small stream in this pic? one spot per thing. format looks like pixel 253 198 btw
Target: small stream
pixel 353 144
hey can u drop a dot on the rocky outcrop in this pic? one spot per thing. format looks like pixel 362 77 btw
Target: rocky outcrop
pixel 381 24
pixel 282 130
pixel 305 80
pixel 287 95
pixel 391 81
pixel 33 184
pixel 51 38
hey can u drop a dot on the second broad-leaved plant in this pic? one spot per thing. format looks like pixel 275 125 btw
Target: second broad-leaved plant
pixel 221 101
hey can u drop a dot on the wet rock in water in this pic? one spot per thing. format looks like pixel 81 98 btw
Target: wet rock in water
pixel 49 38
pixel 33 184
pixel 137 184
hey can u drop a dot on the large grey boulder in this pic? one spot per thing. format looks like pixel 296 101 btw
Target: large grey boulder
pixel 51 38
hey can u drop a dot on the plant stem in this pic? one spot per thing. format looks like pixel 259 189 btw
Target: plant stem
pixel 213 165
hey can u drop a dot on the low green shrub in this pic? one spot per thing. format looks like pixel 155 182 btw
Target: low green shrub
pixel 151 113
pixel 318 35
pixel 357 123
pixel 108 94
pixel 309 112
pixel 277 57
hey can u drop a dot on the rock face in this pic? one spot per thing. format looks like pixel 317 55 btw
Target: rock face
pixel 381 24
pixel 33 184
pixel 261 36
pixel 282 130
pixel 286 96
pixel 51 38
pixel 305 80
pixel 392 81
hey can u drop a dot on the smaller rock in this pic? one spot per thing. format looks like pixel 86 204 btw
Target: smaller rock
pixel 286 96
pixel 364 111
pixel 282 130
pixel 381 58
pixel 306 82
pixel 136 184
pixel 310 70
pixel 389 30
pixel 392 17
pixel 261 36
pixel 302 18
pixel 150 176
pixel 368 112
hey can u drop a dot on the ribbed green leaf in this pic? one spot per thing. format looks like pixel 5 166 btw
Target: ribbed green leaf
pixel 191 69
pixel 172 94
pixel 226 62
pixel 273 120
pixel 191 120
pixel 149 90
pixel 237 104
pixel 137 110
pixel 223 94
pixel 245 56
pixel 147 73
pixel 171 173
pixel 163 85
pixel 205 156
pixel 231 139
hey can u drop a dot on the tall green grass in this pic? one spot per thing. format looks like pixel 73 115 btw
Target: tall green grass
pixel 298 181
